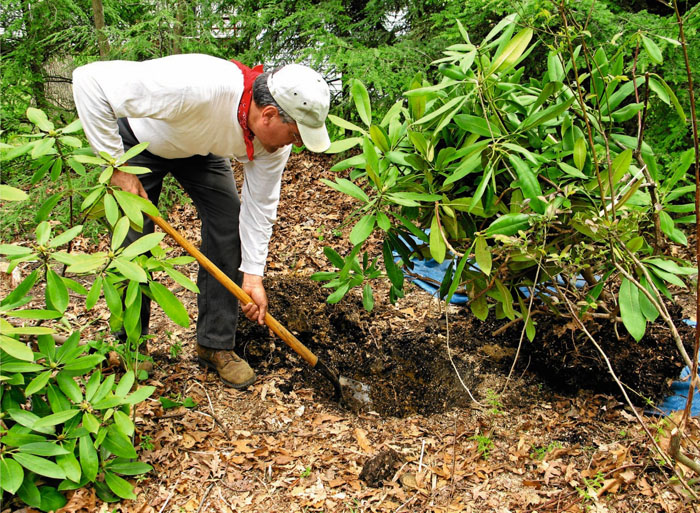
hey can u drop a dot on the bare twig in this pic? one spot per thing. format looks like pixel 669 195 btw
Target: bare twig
pixel 590 337
pixel 204 499
pixel 449 355
pixel 696 145
pixel 674 449
pixel 213 413
pixel 170 495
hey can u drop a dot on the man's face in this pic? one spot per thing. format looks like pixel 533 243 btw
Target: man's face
pixel 273 133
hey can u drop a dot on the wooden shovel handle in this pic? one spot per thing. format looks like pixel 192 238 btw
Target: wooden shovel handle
pixel 234 289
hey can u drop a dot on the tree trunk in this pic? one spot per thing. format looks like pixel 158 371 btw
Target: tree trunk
pixel 99 16
pixel 179 28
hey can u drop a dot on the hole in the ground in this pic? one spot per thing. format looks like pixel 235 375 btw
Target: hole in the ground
pixel 399 367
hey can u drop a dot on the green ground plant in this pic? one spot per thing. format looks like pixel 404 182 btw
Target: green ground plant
pixel 63 423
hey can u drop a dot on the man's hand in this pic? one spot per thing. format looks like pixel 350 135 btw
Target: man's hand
pixel 253 286
pixel 128 182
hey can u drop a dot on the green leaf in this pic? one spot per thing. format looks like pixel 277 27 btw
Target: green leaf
pixel 648 309
pixel 545 115
pixel 454 103
pixel 661 88
pixel 43 449
pixel 84 363
pixel 527 180
pixel 338 294
pixel 118 443
pixel 342 145
pixel 40 465
pixel 56 292
pixel 168 403
pixel 11 475
pixel 43 147
pixel 38 383
pixel 333 257
pixel 367 297
pixel 132 468
pixel 671 266
pixel 132 152
pixel 627 112
pixel 379 138
pixel 362 229
pixel 121 487
pixel 66 236
pixel 170 304
pixel 456 279
pixel 652 50
pixel 16 349
pixel 94 293
pixel 43 232
pixel 34 314
pixel 392 270
pixel 630 311
pixel 69 387
pixel 580 153
pixel 181 279
pixel 508 224
pixel 141 394
pixel 483 255
pixel 129 204
pixel 477 125
pixel 39 118
pixel 130 270
pixel 512 52
pixel 88 457
pixel 91 423
pixel 483 184
pixel 480 307
pixel 346 125
pixel 124 423
pixel 55 419
pixel 361 99
pixel 8 193
pixel 347 187
pixel 383 221
pixel 51 499
pixel 29 493
pixel 121 229
pixel 371 161
pixel 437 244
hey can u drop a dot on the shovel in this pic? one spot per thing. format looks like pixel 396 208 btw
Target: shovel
pixel 244 299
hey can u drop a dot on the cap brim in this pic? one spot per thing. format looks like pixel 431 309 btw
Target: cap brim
pixel 315 139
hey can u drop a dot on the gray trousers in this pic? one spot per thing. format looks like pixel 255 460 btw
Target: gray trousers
pixel 209 181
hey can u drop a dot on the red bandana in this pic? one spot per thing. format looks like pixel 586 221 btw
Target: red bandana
pixel 249 76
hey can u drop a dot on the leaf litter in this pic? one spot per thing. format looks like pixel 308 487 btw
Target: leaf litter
pixel 284 445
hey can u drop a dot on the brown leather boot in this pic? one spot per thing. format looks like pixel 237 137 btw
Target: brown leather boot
pixel 232 370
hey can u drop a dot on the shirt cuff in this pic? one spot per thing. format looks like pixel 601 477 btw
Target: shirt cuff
pixel 250 268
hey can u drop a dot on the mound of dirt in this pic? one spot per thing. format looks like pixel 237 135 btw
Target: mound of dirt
pixel 405 365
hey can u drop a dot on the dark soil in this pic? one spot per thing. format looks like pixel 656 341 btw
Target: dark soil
pixel 408 370
pixel 565 358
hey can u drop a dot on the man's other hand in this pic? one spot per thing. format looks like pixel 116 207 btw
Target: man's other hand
pixel 128 182
pixel 253 286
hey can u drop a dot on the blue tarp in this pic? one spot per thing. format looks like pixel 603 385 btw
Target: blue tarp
pixel 679 396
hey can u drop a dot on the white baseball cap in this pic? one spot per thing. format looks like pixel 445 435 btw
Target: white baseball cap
pixel 304 95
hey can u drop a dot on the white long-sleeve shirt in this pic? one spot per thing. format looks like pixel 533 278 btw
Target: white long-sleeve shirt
pixel 185 105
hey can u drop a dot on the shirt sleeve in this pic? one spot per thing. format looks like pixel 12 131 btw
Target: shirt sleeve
pixel 260 196
pixel 108 90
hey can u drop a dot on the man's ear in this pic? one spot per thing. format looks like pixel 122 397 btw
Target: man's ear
pixel 268 113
